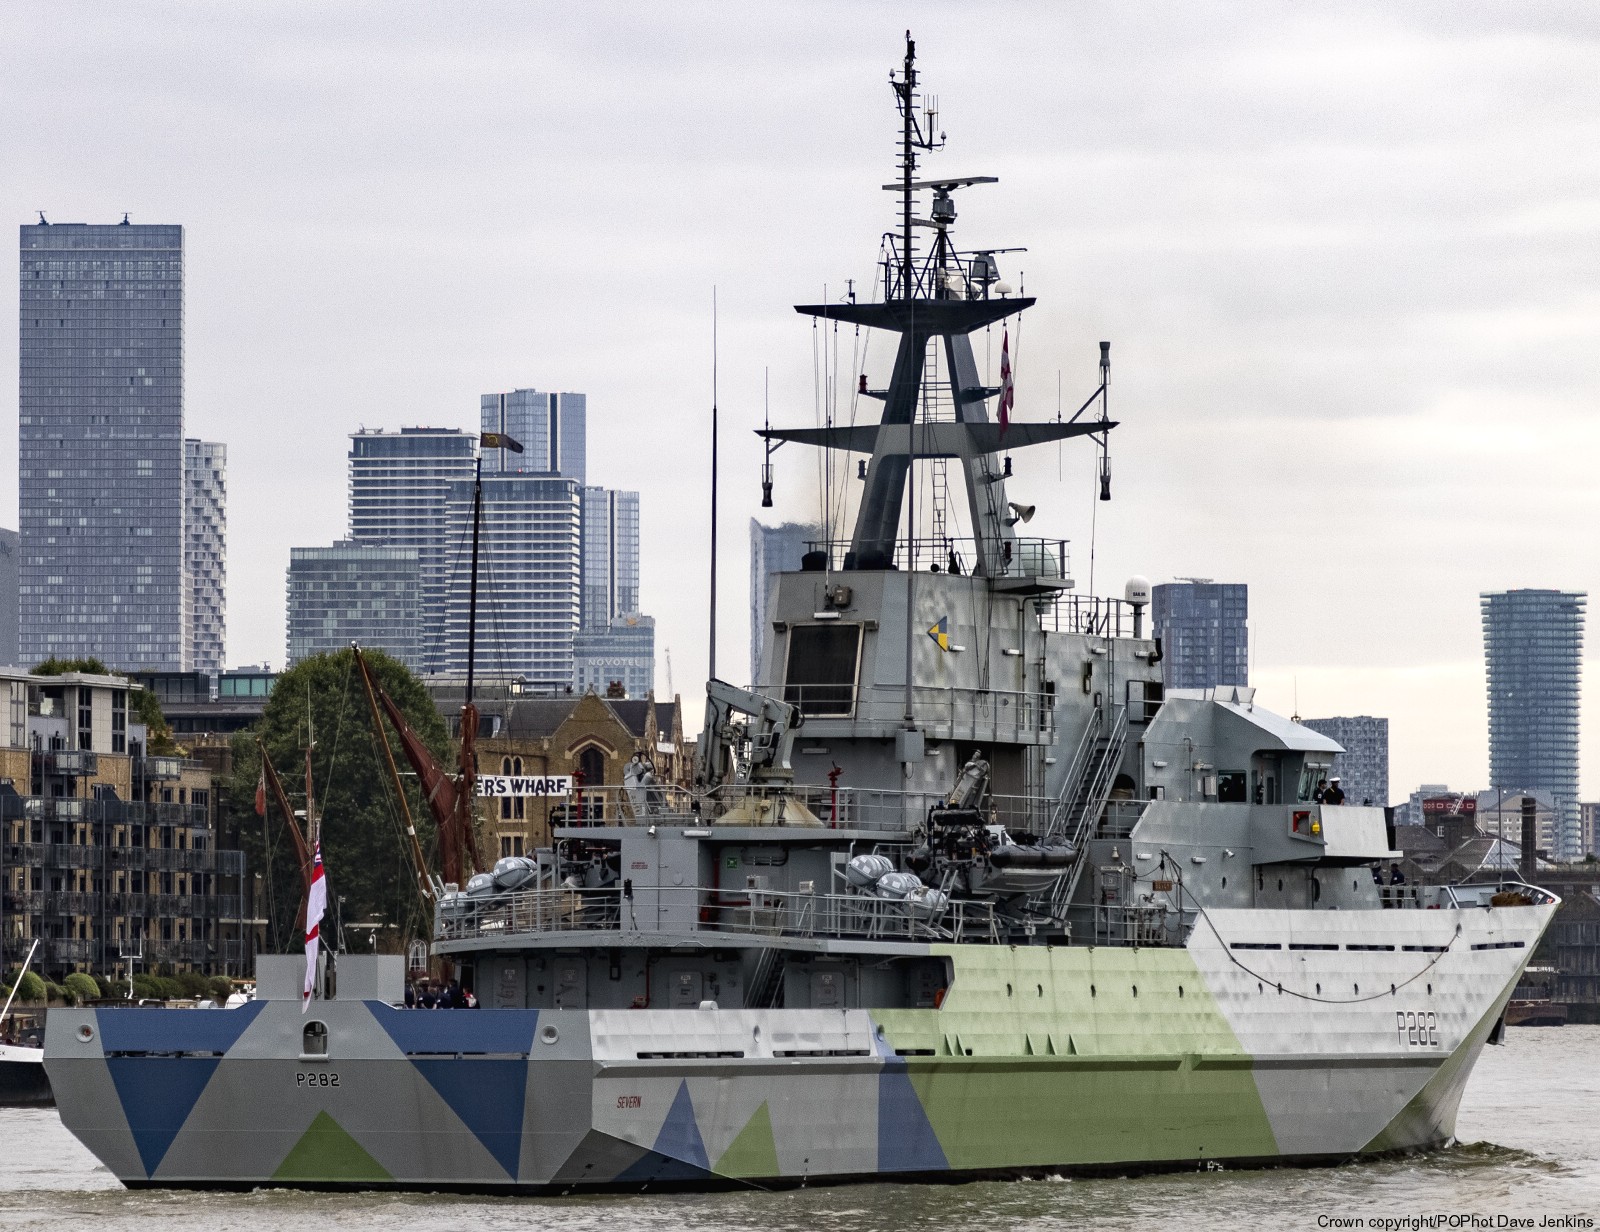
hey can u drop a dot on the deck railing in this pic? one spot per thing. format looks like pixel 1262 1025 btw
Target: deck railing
pixel 764 913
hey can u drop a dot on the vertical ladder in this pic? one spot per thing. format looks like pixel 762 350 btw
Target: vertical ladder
pixel 935 392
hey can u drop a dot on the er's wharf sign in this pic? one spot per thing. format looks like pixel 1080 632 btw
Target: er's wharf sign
pixel 521 785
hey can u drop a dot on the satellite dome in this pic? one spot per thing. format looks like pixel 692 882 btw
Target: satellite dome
pixel 1137 592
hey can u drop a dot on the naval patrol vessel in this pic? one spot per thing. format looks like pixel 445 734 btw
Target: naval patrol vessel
pixel 958 890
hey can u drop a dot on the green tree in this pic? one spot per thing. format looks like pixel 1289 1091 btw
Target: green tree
pixel 365 853
pixel 82 987
pixel 146 707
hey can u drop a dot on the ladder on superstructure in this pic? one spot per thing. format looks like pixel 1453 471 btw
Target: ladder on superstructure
pixel 1085 792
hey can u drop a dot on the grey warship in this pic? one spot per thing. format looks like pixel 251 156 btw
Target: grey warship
pixel 959 890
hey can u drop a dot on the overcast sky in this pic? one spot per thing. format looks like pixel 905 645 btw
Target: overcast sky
pixel 1346 255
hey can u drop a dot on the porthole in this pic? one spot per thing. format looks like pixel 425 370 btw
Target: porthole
pixel 548 1033
pixel 86 1033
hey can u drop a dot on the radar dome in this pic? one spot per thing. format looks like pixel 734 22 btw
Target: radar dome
pixel 1137 592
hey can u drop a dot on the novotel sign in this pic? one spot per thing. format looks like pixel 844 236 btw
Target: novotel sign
pixel 524 785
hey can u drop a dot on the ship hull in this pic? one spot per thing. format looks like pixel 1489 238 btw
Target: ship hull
pixel 22 1078
pixel 1039 1060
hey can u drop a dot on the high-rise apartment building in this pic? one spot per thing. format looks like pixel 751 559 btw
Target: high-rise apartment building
pixel 1203 627
pixel 368 593
pixel 610 556
pixel 8 597
pixel 205 533
pixel 101 476
pixel 529 575
pixel 773 550
pixel 400 492
pixel 551 428
pixel 1533 655
pixel 1363 767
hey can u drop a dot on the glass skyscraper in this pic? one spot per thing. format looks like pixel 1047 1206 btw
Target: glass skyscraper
pixel 528 579
pixel 1204 633
pixel 610 556
pixel 355 592
pixel 551 428
pixel 400 488
pixel 8 598
pixel 101 475
pixel 620 652
pixel 1533 656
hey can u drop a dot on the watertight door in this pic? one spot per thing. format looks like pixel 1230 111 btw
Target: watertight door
pixel 508 984
pixel 572 985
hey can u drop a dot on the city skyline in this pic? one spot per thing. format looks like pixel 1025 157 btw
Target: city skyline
pixel 1266 248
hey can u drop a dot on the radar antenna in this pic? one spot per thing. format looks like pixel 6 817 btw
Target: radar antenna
pixel 915 134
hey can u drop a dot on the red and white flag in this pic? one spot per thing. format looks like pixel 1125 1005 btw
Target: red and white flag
pixel 316 906
pixel 1007 393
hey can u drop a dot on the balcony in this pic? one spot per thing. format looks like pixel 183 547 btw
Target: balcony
pixel 71 763
pixel 161 768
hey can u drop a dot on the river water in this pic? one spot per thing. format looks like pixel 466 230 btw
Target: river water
pixel 1529 1148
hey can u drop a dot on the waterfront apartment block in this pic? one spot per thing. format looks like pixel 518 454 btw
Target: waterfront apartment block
pixel 1363 767
pixel 355 592
pixel 108 853
pixel 1533 657
pixel 1204 632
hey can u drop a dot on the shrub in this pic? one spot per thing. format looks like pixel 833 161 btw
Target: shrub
pixel 80 987
pixel 191 984
pixel 54 992
pixel 31 987
pixel 149 988
pixel 220 987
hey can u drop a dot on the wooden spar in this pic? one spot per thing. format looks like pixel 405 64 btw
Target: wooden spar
pixel 424 877
pixel 302 851
pixel 439 790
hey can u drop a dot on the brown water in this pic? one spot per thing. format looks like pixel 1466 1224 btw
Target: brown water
pixel 1530 1147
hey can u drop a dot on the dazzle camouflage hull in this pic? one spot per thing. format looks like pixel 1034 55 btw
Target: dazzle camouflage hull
pixel 1038 1059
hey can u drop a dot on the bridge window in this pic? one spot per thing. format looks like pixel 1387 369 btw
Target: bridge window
pixel 821 673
